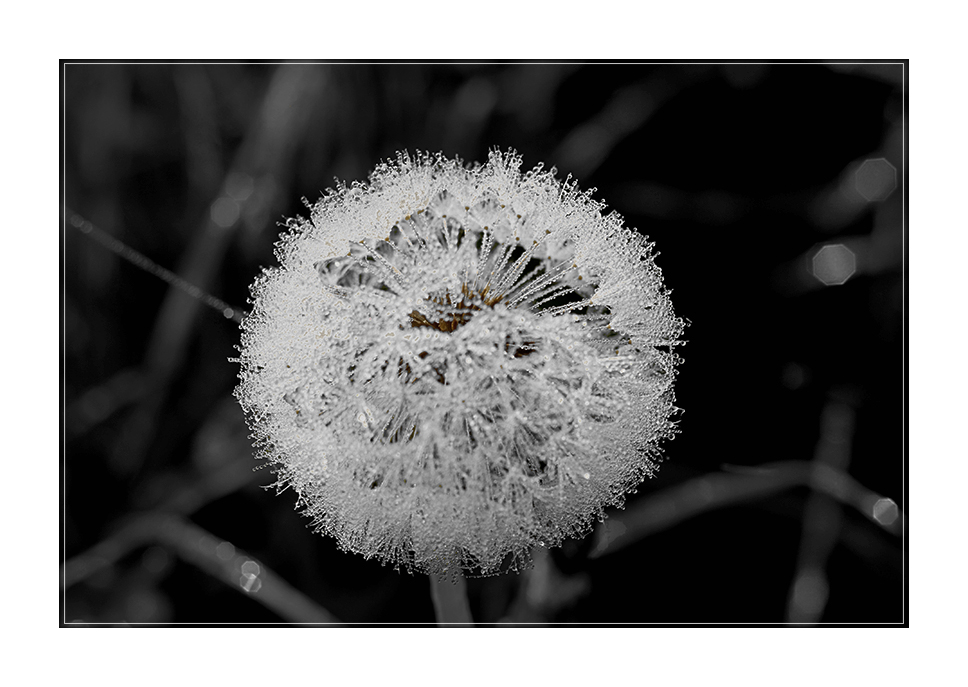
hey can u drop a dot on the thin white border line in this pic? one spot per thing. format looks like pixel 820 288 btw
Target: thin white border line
pixel 904 391
pixel 428 624
pixel 62 477
pixel 447 62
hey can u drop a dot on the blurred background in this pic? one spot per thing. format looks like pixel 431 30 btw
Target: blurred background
pixel 774 193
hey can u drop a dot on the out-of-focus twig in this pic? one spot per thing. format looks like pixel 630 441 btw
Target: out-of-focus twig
pixel 843 201
pixel 216 469
pixel 100 402
pixel 197 546
pixel 672 506
pixel 148 265
pixel 822 518
pixel 270 141
pixel 588 145
pixel 545 591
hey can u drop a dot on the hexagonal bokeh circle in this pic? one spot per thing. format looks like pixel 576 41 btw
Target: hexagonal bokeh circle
pixel 875 179
pixel 834 264
pixel 885 511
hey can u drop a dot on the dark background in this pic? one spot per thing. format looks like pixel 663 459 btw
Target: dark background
pixel 739 173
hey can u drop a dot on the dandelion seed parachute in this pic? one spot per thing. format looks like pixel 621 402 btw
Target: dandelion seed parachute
pixel 453 363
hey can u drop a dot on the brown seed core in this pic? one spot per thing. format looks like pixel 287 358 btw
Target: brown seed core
pixel 462 312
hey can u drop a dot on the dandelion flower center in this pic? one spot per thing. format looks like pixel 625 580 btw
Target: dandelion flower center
pixel 452 364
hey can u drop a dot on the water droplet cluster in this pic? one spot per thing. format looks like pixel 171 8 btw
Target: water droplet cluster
pixel 454 363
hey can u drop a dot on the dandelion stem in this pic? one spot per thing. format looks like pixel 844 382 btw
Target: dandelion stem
pixel 450 600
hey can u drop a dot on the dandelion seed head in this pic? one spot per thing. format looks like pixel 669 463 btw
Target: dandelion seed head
pixel 452 363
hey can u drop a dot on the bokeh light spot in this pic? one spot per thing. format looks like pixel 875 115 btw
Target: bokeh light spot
pixel 225 551
pixel 250 583
pixel 207 544
pixel 834 264
pixel 225 212
pixel 249 579
pixel 875 179
pixel 81 224
pixel 885 511
pixel 251 568
pixel 239 186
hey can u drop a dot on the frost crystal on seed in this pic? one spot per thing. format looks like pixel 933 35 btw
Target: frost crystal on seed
pixel 454 363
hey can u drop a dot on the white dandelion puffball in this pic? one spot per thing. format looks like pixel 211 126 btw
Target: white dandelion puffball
pixel 452 364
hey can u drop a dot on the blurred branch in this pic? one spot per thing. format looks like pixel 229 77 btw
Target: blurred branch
pixel 842 202
pixel 672 506
pixel 822 516
pixel 189 493
pixel 214 470
pixel 100 402
pixel 268 144
pixel 589 144
pixel 545 591
pixel 195 545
